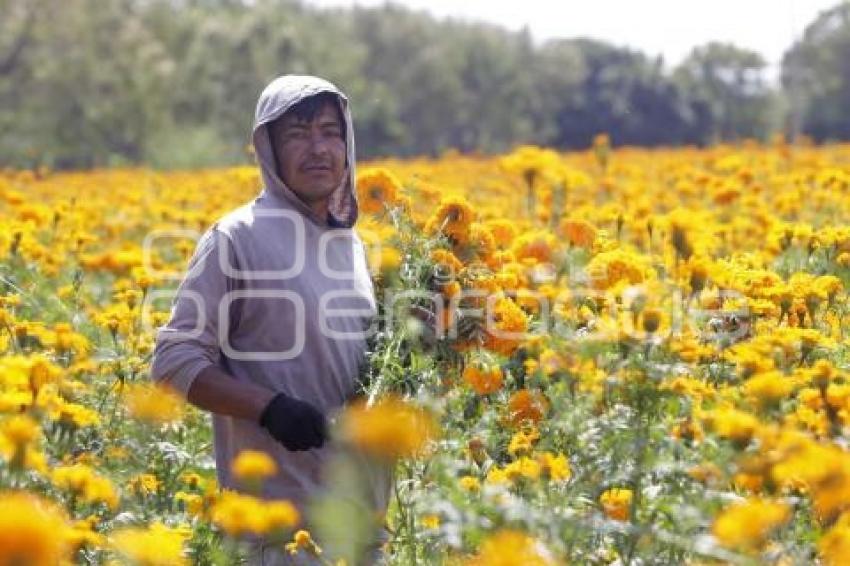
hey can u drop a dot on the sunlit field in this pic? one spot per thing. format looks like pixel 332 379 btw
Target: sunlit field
pixel 636 357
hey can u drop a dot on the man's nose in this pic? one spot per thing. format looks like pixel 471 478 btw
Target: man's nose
pixel 318 142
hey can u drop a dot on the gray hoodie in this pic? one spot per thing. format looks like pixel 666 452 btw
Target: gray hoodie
pixel 277 297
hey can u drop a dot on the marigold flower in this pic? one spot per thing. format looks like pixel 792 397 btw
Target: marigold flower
pixel 156 545
pixel 32 531
pixel 506 327
pixel 253 466
pixel 20 430
pixel 470 483
pixel 82 481
pixel 390 429
pixel 732 424
pixel 303 541
pixel 483 380
pixel 453 218
pixel 376 188
pixel 154 404
pixel 554 467
pixel 616 503
pixel 834 546
pixel 527 406
pixel 509 548
pixel 746 524
pixel 579 233
pixel 239 514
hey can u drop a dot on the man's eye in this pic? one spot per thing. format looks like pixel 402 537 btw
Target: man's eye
pixel 333 131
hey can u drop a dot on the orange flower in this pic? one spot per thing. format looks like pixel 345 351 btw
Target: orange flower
pixel 453 218
pixel 390 429
pixel 616 502
pixel 376 188
pixel 525 405
pixel 483 380
pixel 579 232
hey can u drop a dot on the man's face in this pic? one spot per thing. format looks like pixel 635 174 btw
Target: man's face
pixel 310 155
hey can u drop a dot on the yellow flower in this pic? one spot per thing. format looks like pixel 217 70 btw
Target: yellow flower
pixel 510 548
pixel 529 161
pixel 42 372
pixel 154 404
pixel 192 479
pixel 523 441
pixel 732 424
pixel 745 524
pixel 82 534
pixel 194 503
pixel 74 414
pixel 157 545
pixel 506 328
pixel 83 482
pixel 470 484
pixel 390 429
pixel 497 476
pixel 555 468
pixel 834 546
pixel 144 484
pixel 238 514
pixel 616 503
pixel 446 262
pixel 253 466
pixel 376 188
pixel 303 540
pixel 384 260
pixel 453 218
pixel 20 430
pixel 431 521
pixel 769 387
pixel 32 531
pixel 525 467
pixel 609 268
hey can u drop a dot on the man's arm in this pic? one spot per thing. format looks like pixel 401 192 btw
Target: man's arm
pixel 215 390
pixel 187 357
pixel 295 424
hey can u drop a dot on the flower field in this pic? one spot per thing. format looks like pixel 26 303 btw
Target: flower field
pixel 618 356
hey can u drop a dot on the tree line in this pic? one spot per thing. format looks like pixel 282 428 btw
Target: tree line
pixel 173 83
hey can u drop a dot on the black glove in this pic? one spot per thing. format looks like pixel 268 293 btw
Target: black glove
pixel 295 424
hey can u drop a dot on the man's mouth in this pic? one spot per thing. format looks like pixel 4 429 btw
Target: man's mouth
pixel 317 167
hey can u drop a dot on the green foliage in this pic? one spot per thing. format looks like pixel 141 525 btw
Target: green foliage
pixel 86 83
pixel 816 75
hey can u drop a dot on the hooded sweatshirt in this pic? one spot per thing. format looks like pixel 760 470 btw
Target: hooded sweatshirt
pixel 281 298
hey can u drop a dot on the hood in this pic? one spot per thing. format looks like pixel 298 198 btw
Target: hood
pixel 278 97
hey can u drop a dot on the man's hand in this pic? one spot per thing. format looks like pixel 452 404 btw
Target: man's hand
pixel 297 425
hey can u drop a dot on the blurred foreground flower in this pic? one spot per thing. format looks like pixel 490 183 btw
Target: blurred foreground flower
pixel 32 531
pixel 157 545
pixel 390 429
pixel 745 525
pixel 154 404
pixel 239 514
pixel 509 548
pixel 253 466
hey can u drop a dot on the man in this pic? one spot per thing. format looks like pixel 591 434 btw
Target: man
pixel 268 328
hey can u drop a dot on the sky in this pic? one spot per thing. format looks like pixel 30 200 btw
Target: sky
pixel 670 28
